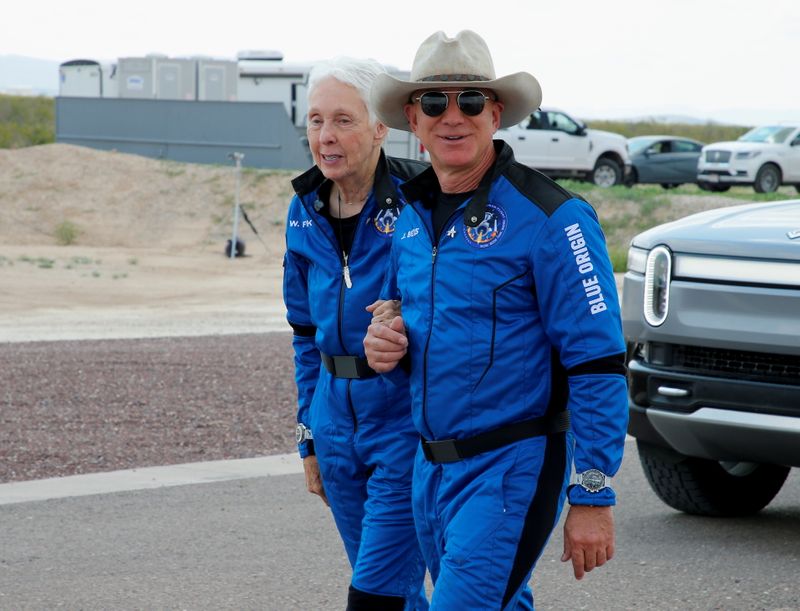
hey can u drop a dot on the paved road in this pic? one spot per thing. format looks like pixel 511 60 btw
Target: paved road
pixel 262 543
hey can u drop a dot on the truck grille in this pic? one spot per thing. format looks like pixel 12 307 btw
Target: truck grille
pixel 718 156
pixel 775 368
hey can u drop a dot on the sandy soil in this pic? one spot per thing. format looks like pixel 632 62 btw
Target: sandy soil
pixel 148 252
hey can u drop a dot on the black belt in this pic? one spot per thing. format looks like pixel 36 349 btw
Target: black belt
pixel 347 366
pixel 453 450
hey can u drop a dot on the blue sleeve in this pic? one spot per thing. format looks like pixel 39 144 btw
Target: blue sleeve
pixel 577 293
pixel 306 355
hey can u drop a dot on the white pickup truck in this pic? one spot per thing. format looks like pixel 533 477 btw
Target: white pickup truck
pixel 558 145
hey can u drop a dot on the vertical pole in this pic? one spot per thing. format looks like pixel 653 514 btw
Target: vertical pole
pixel 238 158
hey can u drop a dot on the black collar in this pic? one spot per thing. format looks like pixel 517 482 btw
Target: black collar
pixel 383 188
pixel 425 186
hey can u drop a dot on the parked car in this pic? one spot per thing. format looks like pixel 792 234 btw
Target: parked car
pixel 765 157
pixel 664 160
pixel 560 146
pixel 711 315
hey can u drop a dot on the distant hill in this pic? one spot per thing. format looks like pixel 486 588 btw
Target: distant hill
pixel 28 75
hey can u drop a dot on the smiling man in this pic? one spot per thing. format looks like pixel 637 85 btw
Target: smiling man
pixel 507 339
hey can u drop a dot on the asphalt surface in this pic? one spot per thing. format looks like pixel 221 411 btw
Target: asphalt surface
pixel 261 542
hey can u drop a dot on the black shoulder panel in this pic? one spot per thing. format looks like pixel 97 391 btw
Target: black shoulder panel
pixel 405 168
pixel 546 193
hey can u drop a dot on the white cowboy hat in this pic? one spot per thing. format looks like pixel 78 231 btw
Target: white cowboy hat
pixel 463 61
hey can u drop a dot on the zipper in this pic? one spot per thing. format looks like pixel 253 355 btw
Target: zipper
pixel 434 256
pixel 346 282
pixel 349 398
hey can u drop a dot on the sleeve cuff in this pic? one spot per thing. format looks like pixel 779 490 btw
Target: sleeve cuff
pixel 306 448
pixel 578 495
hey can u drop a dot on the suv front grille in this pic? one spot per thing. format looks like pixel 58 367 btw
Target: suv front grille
pixel 774 368
pixel 718 156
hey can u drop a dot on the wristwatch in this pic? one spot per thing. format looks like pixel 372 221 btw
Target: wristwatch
pixel 592 480
pixel 302 433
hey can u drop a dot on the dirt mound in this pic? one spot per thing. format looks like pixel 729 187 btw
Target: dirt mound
pixel 113 199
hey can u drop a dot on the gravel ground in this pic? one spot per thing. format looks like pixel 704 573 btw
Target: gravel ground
pixel 72 407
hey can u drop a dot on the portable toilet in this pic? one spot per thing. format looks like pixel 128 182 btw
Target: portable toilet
pixel 175 78
pixel 136 77
pixel 80 78
pixel 216 80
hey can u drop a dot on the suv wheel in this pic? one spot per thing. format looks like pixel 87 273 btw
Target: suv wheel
pixel 707 487
pixel 768 179
pixel 606 173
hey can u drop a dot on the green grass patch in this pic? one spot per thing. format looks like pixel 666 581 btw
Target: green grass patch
pixel 26 121
pixel 706 132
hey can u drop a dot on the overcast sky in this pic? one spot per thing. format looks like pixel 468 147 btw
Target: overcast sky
pixel 734 60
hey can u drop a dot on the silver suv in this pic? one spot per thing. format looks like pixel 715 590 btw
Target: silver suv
pixel 711 314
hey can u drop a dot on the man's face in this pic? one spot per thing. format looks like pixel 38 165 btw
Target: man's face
pixel 455 140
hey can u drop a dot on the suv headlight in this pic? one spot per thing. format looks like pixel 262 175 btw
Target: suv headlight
pixel 747 154
pixel 658 271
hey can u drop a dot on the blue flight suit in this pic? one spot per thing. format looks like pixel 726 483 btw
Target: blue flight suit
pixel 512 317
pixel 363 435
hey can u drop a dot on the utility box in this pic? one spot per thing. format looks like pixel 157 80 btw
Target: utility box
pixel 175 79
pixel 80 78
pixel 216 80
pixel 137 77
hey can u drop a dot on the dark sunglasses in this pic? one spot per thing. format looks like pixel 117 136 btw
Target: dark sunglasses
pixel 470 102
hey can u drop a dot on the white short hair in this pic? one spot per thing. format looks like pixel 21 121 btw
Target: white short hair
pixel 358 73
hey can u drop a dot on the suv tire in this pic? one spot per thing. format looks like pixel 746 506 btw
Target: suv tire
pixel 606 173
pixel 768 179
pixel 709 488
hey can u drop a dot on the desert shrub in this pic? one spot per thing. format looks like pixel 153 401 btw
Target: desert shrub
pixel 66 233
pixel 26 121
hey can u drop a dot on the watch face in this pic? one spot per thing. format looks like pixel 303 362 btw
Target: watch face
pixel 299 433
pixel 593 480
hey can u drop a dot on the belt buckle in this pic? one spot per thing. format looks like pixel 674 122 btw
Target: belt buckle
pixel 442 451
pixel 346 367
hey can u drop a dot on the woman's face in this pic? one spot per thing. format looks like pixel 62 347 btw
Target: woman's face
pixel 340 136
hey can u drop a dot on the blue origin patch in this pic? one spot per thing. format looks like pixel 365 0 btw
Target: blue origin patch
pixel 385 220
pixel 490 230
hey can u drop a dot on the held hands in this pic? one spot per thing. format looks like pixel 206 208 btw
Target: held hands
pixel 588 538
pixel 314 478
pixel 386 343
pixel 384 310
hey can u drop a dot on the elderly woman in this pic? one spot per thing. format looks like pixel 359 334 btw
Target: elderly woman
pixel 354 429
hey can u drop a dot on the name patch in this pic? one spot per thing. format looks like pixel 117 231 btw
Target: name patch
pixel 583 262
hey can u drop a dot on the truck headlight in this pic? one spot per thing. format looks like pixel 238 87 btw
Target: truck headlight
pixel 637 260
pixel 656 285
pixel 747 154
